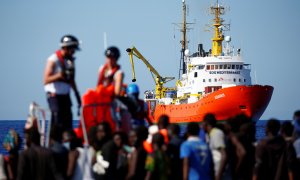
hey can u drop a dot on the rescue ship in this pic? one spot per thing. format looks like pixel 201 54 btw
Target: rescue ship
pixel 217 81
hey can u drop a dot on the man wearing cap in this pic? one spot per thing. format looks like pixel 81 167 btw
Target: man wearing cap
pixel 59 78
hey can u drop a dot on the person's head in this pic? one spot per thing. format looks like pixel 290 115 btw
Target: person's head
pixel 287 129
pixel 70 140
pixel 12 141
pixel 174 130
pixel 141 134
pixel 32 136
pixel 273 126
pixel 133 89
pixel 163 122
pixel 193 129
pixel 120 139
pixel 297 115
pixel 209 122
pixel 69 44
pixel 132 138
pixel 103 131
pixel 157 141
pixel 112 54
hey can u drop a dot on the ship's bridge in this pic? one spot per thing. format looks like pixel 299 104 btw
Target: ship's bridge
pixel 208 74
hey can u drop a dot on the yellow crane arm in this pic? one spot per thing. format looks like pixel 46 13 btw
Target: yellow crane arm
pixel 134 52
pixel 159 80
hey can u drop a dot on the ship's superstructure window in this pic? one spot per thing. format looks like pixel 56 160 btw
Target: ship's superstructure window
pixel 234 80
pixel 201 67
pixel 215 80
pixel 195 74
pixel 203 80
pixel 244 80
pixel 209 80
pixel 239 80
pixel 221 66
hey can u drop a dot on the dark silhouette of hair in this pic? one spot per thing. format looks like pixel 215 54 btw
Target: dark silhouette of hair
pixel 106 128
pixel 141 133
pixel 193 129
pixel 210 119
pixel 297 115
pixel 158 139
pixel 287 128
pixel 273 126
pixel 33 136
pixel 123 136
pixel 163 121
pixel 175 129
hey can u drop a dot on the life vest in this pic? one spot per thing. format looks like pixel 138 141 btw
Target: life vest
pixel 69 70
pixel 97 103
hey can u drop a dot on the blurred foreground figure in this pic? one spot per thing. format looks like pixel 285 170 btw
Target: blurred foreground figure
pixel 36 162
pixel 59 78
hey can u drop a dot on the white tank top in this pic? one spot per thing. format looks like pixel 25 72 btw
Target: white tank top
pixel 83 168
pixel 57 87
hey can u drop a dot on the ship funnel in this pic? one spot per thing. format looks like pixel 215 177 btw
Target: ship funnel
pixel 201 50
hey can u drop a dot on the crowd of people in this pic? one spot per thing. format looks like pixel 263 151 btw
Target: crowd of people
pixel 136 149
pixel 209 150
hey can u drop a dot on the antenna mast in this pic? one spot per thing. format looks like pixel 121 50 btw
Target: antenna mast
pixel 218 38
pixel 183 41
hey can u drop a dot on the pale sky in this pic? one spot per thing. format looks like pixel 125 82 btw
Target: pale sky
pixel 266 31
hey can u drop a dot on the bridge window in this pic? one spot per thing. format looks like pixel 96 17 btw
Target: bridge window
pixel 201 67
pixel 233 66
pixel 216 67
pixel 225 66
pixel 241 66
pixel 221 66
pixel 208 67
pixel 195 74
pixel 212 67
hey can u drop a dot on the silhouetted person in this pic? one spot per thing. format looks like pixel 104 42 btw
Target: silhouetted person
pixel 271 157
pixel 137 158
pixel 216 144
pixel 196 155
pixel 60 152
pixel 36 162
pixel 174 151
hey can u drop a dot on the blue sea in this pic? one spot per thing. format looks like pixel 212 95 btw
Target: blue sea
pixel 18 125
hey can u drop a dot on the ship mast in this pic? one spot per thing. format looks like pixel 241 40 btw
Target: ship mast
pixel 217 10
pixel 183 41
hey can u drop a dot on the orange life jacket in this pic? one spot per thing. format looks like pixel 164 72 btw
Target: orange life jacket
pixel 97 102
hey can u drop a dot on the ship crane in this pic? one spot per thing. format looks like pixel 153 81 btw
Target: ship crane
pixel 160 90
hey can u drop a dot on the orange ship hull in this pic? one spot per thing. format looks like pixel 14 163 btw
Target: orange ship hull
pixel 224 103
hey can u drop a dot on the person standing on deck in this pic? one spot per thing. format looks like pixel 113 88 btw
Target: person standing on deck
pixel 110 81
pixel 59 78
